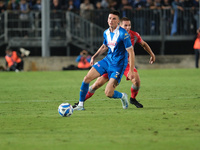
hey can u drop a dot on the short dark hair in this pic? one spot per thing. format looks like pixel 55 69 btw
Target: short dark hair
pixel 124 19
pixel 115 12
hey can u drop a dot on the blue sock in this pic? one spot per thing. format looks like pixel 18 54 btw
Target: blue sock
pixel 117 94
pixel 83 91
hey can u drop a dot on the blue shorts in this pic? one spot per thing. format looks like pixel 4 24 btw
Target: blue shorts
pixel 115 72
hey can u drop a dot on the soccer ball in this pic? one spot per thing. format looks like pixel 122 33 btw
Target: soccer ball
pixel 65 109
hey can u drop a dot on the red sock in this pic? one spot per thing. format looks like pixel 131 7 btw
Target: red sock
pixel 134 93
pixel 88 95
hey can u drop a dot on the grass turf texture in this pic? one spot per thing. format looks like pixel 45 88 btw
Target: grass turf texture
pixel 170 118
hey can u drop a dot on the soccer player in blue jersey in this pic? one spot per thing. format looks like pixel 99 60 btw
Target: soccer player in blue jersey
pixel 117 42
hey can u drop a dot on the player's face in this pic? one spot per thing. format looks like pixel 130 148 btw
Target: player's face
pixel 126 25
pixel 113 20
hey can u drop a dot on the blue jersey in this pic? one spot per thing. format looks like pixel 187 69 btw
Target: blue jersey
pixel 117 42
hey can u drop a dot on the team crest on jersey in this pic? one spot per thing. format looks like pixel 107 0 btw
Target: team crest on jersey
pixel 97 64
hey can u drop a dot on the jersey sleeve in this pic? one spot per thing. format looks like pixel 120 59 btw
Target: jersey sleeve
pixel 104 37
pixel 127 40
pixel 139 39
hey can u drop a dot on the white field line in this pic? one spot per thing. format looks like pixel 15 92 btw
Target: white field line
pixel 43 101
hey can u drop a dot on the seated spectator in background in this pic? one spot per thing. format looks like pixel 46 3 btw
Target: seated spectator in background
pixel 13 61
pixel 2 6
pixel 83 60
pixel 85 8
pixel 13 5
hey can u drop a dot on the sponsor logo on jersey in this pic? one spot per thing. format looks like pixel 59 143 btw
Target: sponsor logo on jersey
pixel 112 43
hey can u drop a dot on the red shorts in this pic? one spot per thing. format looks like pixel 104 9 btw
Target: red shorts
pixel 125 72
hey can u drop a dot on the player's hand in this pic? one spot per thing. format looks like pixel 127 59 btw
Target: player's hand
pixel 131 75
pixel 152 59
pixel 92 61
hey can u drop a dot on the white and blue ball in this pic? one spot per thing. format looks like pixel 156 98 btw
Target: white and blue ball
pixel 65 109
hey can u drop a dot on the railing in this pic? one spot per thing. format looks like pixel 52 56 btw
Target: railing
pixel 81 30
pixel 68 27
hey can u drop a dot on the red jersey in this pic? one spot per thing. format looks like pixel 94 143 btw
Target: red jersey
pixel 135 37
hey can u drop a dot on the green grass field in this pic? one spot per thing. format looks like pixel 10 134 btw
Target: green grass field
pixel 170 119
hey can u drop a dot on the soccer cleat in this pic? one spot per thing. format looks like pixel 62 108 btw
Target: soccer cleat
pixel 124 100
pixel 135 102
pixel 75 105
pixel 79 108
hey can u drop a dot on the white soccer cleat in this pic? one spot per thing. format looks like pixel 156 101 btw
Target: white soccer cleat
pixel 79 108
pixel 124 100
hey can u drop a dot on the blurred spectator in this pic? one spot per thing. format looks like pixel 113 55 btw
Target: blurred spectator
pixel 138 4
pixel 13 5
pixel 14 61
pixel 139 18
pixel 125 8
pixel 155 25
pixel 100 18
pixel 166 6
pixel 196 12
pixel 2 6
pixel 56 18
pixel 114 4
pixel 197 48
pixel 70 5
pixel 104 4
pixel 37 6
pixel 149 5
pixel 98 6
pixel 85 9
pixel 83 60
pixel 177 20
pixel 157 4
pixel 77 4
pixel 188 17
pixel 2 9
pixel 26 18
pixel 24 9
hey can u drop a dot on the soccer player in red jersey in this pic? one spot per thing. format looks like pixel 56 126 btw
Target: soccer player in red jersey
pixel 135 38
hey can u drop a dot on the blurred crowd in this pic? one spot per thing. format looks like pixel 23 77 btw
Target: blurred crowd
pixel 26 5
pixel 179 13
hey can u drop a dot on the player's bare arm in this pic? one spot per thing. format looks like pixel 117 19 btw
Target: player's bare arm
pixel 147 48
pixel 131 62
pixel 99 52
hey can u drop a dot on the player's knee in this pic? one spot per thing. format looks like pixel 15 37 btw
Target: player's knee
pixel 87 79
pixel 137 83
